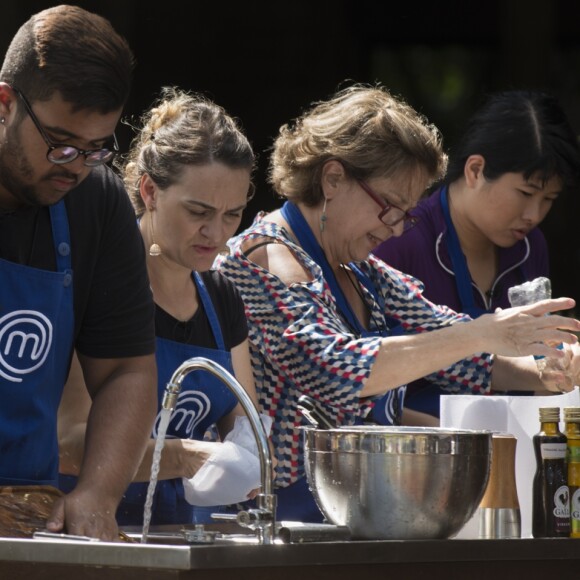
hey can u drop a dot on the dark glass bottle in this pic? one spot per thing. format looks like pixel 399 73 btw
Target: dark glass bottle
pixel 572 430
pixel 551 496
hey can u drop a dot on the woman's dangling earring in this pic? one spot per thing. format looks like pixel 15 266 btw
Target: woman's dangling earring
pixel 323 217
pixel 154 248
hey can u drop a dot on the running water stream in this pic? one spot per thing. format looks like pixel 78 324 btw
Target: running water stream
pixel 264 517
pixel 159 442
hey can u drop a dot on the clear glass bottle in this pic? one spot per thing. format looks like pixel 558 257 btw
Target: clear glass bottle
pixel 572 431
pixel 551 496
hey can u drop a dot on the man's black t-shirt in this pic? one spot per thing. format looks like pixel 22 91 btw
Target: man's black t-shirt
pixel 113 306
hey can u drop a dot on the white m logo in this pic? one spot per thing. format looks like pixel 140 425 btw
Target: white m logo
pixel 25 341
pixel 192 407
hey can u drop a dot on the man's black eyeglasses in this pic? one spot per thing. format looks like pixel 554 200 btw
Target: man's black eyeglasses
pixel 61 154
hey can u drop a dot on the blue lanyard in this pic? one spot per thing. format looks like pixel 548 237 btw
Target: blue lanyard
pixel 310 245
pixel 387 408
pixel 462 275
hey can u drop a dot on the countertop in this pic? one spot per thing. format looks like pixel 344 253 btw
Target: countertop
pixel 451 559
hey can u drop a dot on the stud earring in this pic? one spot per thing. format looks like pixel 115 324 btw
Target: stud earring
pixel 154 248
pixel 2 120
pixel 323 217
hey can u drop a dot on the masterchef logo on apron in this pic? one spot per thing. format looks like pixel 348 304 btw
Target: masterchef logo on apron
pixel 192 407
pixel 25 341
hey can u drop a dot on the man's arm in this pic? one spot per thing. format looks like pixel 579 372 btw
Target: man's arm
pixel 124 393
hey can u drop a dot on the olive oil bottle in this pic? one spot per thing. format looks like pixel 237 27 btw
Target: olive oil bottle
pixel 572 431
pixel 551 496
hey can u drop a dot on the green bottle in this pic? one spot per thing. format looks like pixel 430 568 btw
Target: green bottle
pixel 572 430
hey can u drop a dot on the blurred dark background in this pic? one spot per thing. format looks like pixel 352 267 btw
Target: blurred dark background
pixel 266 61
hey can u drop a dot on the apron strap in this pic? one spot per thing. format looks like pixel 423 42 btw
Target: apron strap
pixel 387 409
pixel 310 245
pixel 462 275
pixel 61 238
pixel 209 311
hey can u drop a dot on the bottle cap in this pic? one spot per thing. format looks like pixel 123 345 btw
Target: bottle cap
pixel 572 414
pixel 549 414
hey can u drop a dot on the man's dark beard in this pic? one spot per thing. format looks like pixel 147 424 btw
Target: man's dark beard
pixel 13 164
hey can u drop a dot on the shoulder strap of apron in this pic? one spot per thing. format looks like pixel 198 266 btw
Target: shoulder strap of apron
pixel 462 275
pixel 310 245
pixel 387 408
pixel 209 311
pixel 61 236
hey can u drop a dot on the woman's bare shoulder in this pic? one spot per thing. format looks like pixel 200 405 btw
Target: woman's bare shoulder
pixel 277 258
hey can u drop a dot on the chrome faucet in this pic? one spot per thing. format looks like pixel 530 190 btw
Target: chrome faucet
pixel 263 518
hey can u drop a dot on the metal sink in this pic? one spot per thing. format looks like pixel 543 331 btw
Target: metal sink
pixel 167 547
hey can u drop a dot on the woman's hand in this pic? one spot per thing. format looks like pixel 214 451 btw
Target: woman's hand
pixel 574 367
pixel 194 454
pixel 526 330
pixel 557 374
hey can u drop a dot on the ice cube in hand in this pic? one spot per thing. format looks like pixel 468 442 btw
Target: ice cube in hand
pixel 530 292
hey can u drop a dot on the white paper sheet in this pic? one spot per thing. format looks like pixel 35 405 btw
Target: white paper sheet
pixel 505 414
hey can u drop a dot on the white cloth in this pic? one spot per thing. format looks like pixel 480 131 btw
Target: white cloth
pixel 243 435
pixel 232 471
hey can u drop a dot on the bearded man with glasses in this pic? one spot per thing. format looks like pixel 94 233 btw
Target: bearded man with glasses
pixel 72 266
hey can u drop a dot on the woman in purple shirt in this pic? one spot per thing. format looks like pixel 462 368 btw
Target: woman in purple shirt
pixel 477 233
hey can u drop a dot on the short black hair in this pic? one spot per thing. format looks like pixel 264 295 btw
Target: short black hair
pixel 520 131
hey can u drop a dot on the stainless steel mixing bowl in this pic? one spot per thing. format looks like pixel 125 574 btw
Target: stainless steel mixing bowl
pixel 398 482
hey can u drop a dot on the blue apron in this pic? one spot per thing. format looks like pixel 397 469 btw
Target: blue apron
pixel 295 501
pixel 202 402
pixel 36 341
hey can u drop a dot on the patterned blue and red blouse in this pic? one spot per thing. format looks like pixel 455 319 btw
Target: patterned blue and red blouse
pixel 301 345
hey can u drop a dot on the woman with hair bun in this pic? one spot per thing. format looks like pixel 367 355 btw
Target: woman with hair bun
pixel 188 174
